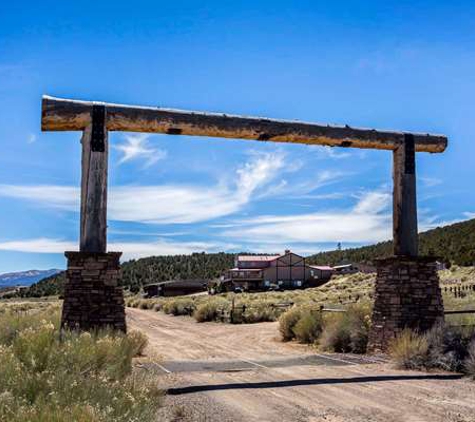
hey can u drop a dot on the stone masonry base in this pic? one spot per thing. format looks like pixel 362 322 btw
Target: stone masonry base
pixel 92 297
pixel 407 295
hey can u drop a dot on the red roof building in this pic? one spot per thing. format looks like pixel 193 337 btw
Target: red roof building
pixel 286 271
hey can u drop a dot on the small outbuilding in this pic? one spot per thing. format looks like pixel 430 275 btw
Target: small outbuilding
pixel 175 288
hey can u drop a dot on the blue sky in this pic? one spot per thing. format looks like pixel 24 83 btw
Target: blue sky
pixel 407 65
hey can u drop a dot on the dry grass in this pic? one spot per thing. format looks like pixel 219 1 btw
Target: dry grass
pixel 409 350
pixel 470 361
pixel 444 347
pixel 84 377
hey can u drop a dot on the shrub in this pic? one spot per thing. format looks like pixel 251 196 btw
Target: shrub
pixel 258 312
pixel 145 304
pixel 444 347
pixel 178 306
pixel 347 332
pixel 309 327
pixel 409 350
pixel 209 310
pixel 448 347
pixel 138 341
pixel 469 364
pixel 287 321
pixel 84 377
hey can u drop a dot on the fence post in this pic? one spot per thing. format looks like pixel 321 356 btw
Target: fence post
pixel 231 315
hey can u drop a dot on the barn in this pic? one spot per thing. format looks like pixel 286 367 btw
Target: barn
pixel 283 271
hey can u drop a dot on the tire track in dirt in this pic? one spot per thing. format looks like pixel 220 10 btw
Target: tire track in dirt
pixel 354 392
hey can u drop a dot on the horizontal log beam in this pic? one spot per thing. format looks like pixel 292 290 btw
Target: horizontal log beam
pixel 70 115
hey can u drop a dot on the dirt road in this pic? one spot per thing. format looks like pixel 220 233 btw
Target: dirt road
pixel 244 373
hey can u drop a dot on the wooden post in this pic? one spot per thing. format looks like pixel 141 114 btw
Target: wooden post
pixel 94 142
pixel 404 199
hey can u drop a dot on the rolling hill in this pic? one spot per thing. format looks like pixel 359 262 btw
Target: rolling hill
pixel 453 244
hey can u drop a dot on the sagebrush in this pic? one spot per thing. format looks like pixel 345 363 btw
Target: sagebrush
pixel 80 377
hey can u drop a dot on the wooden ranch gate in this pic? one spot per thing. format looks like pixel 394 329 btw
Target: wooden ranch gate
pixel 404 280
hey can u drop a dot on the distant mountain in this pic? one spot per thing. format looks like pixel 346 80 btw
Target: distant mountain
pixel 25 278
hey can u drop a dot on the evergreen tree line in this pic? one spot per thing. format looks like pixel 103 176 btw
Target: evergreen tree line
pixel 454 244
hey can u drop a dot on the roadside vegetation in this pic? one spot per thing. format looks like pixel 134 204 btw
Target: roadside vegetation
pixel 81 377
pixel 345 332
pixel 444 347
pixel 457 285
pixel 262 306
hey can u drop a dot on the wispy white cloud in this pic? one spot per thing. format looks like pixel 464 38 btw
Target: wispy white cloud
pixel 62 197
pixel 469 214
pixel 130 250
pixel 31 138
pixel 372 203
pixel 38 245
pixel 302 189
pixel 167 203
pixel 137 147
pixel 367 221
pixel 430 182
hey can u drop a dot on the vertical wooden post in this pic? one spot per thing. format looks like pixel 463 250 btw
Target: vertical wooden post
pixel 93 232
pixel 404 199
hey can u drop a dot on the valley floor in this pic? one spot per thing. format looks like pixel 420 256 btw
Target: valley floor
pixel 222 372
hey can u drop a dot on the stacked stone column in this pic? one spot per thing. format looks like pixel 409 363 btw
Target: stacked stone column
pixel 407 295
pixel 93 298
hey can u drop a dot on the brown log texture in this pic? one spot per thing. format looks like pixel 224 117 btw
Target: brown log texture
pixel 404 200
pixel 93 230
pixel 71 115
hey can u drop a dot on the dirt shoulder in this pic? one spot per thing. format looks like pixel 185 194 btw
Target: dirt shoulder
pixel 221 372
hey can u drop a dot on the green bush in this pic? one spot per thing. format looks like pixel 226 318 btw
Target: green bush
pixel 287 321
pixel 309 327
pixel 347 332
pixel 409 350
pixel 178 306
pixel 210 310
pixel 260 311
pixel 84 377
pixel 146 304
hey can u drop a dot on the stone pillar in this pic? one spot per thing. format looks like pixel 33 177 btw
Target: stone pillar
pixel 92 297
pixel 407 295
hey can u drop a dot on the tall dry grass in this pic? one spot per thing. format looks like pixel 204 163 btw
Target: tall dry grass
pixel 444 347
pixel 82 377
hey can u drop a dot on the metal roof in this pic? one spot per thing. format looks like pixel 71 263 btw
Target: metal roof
pixel 321 267
pixel 257 257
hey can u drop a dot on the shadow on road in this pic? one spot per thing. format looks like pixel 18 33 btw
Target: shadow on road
pixel 304 382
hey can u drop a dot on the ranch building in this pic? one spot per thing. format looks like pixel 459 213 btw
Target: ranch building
pixel 283 271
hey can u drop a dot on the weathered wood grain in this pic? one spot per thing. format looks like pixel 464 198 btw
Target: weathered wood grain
pixel 93 230
pixel 69 115
pixel 405 234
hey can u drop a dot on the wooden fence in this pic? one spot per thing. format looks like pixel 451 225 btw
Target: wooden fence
pixel 231 314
